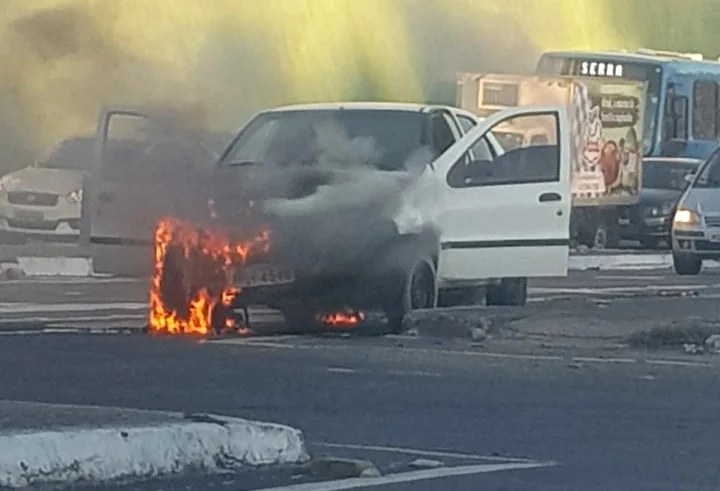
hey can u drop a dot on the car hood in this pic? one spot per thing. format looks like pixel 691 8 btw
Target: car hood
pixel 703 200
pixel 658 196
pixel 56 181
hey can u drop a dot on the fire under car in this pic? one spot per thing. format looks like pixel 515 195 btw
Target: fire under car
pixel 325 208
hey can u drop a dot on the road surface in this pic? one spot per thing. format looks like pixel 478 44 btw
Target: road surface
pixel 537 411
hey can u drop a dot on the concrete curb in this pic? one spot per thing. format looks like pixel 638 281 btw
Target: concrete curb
pixel 603 262
pixel 104 454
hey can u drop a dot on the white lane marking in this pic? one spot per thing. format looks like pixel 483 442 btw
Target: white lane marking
pixel 71 281
pixel 632 278
pixel 341 370
pixel 422 452
pixel 678 363
pixel 618 289
pixel 93 318
pixel 481 354
pixel 28 308
pixel 594 359
pixel 403 477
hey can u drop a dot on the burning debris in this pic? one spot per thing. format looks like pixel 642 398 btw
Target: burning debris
pixel 190 292
pixel 342 319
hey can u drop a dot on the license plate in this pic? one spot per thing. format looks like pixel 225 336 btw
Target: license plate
pixel 262 275
pixel 623 221
pixel 29 215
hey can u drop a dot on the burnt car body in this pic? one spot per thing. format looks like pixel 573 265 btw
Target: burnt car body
pixel 663 181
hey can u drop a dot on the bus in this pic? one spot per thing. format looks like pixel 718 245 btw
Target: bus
pixel 682 109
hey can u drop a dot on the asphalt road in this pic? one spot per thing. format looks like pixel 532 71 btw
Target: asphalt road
pixel 554 404
pixel 605 425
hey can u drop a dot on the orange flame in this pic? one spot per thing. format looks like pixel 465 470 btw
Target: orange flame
pixel 200 260
pixel 342 319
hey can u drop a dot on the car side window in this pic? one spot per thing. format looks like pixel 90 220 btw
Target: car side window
pixel 481 150
pixel 466 123
pixel 442 136
pixel 533 161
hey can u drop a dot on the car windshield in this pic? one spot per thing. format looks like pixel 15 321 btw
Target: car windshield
pixel 296 136
pixel 68 155
pixel 709 176
pixel 666 175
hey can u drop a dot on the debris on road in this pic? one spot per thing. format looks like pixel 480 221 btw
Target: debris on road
pixel 333 468
pixel 471 323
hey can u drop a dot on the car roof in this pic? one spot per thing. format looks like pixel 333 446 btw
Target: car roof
pixel 367 106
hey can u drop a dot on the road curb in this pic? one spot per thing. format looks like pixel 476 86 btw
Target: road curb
pixel 103 454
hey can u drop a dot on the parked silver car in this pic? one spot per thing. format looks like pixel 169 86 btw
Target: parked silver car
pixel 696 223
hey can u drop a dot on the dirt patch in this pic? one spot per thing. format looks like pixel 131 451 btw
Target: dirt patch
pixel 678 334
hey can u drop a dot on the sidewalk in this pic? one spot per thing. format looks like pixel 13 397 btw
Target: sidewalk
pixel 51 444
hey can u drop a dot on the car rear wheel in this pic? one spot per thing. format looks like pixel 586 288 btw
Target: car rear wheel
pixel 686 264
pixel 510 292
pixel 418 290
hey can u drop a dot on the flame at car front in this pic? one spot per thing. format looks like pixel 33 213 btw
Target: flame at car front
pixel 190 291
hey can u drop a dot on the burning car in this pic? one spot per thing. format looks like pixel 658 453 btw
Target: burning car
pixel 327 210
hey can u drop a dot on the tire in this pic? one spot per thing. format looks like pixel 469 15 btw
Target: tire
pixel 173 289
pixel 510 292
pixel 417 290
pixel 686 264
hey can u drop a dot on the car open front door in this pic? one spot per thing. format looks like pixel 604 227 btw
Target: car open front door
pixel 142 171
pixel 506 213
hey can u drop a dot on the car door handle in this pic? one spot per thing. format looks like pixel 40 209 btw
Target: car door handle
pixel 106 197
pixel 545 197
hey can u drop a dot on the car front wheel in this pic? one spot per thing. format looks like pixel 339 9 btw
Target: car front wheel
pixel 418 290
pixel 686 264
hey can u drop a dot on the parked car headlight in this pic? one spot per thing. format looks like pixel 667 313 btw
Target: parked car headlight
pixel 686 217
pixel 75 196
pixel 659 210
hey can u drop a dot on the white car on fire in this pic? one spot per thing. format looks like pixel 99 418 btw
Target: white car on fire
pixel 371 205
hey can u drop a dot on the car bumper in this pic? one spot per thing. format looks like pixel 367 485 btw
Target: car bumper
pixel 697 242
pixel 322 293
pixel 62 220
pixel 656 227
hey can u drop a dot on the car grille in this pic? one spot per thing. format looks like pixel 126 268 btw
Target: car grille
pixel 712 221
pixel 29 225
pixel 35 199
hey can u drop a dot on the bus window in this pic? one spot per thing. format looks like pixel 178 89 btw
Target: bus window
pixel 675 116
pixel 705 103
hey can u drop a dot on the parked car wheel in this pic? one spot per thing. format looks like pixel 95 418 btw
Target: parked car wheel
pixel 686 264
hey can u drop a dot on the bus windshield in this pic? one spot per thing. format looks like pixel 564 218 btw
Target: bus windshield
pixel 606 67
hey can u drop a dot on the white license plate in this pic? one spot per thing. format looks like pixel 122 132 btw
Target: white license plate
pixel 262 275
pixel 29 215
pixel 623 221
